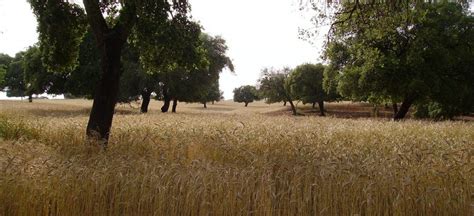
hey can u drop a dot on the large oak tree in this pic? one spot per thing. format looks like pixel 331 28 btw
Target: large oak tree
pixel 61 25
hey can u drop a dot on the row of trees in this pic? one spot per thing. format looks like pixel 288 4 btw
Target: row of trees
pixel 113 51
pixel 162 32
pixel 304 83
pixel 25 75
pixel 418 54
pixel 408 54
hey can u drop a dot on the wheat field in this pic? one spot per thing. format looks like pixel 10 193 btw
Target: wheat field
pixel 230 160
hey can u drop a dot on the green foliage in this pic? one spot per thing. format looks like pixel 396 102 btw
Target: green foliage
pixel 167 43
pixel 3 72
pixel 216 54
pixel 417 53
pixel 208 93
pixel 161 30
pixel 37 79
pixel 306 84
pixel 14 129
pixel 440 111
pixel 213 94
pixel 82 81
pixel 5 61
pixel 245 94
pixel 134 79
pixel 273 85
pixel 200 84
pixel 61 26
pixel 14 77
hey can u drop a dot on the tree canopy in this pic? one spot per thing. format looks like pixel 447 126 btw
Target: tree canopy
pixel 274 86
pixel 5 61
pixel 245 94
pixel 25 76
pixel 412 55
pixel 14 77
pixel 36 78
pixel 161 30
pixel 198 84
pixel 306 85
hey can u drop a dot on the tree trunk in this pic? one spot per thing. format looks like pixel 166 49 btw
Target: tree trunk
pixel 167 100
pixel 146 94
pixel 321 108
pixel 175 103
pixel 105 97
pixel 166 105
pixel 407 102
pixel 314 105
pixel 395 109
pixel 375 110
pixel 246 104
pixel 212 102
pixel 110 42
pixel 205 105
pixel 30 98
pixel 293 108
pixel 284 103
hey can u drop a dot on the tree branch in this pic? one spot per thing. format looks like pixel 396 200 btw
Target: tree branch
pixel 334 24
pixel 96 19
pixel 126 21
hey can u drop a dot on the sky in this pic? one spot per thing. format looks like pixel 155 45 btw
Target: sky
pixel 259 33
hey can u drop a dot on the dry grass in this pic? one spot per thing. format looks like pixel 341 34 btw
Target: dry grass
pixel 230 161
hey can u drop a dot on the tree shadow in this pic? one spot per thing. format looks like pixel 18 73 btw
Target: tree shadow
pixel 336 110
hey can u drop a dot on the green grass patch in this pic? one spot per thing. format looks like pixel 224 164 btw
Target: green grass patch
pixel 16 128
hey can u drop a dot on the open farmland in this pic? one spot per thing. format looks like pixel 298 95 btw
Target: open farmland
pixel 230 160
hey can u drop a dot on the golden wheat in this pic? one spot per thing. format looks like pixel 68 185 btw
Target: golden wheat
pixel 231 161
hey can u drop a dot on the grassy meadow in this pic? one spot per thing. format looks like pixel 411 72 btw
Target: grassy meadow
pixel 230 160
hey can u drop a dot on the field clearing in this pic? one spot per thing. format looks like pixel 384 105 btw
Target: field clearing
pixel 230 160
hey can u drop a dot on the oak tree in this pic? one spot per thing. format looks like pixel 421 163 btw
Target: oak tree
pixel 61 25
pixel 245 94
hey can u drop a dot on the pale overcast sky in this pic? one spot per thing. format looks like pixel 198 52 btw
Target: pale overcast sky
pixel 259 33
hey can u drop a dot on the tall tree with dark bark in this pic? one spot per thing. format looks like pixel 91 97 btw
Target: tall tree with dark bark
pixel 134 81
pixel 62 24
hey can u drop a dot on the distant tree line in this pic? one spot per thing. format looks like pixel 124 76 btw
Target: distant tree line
pixel 304 84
